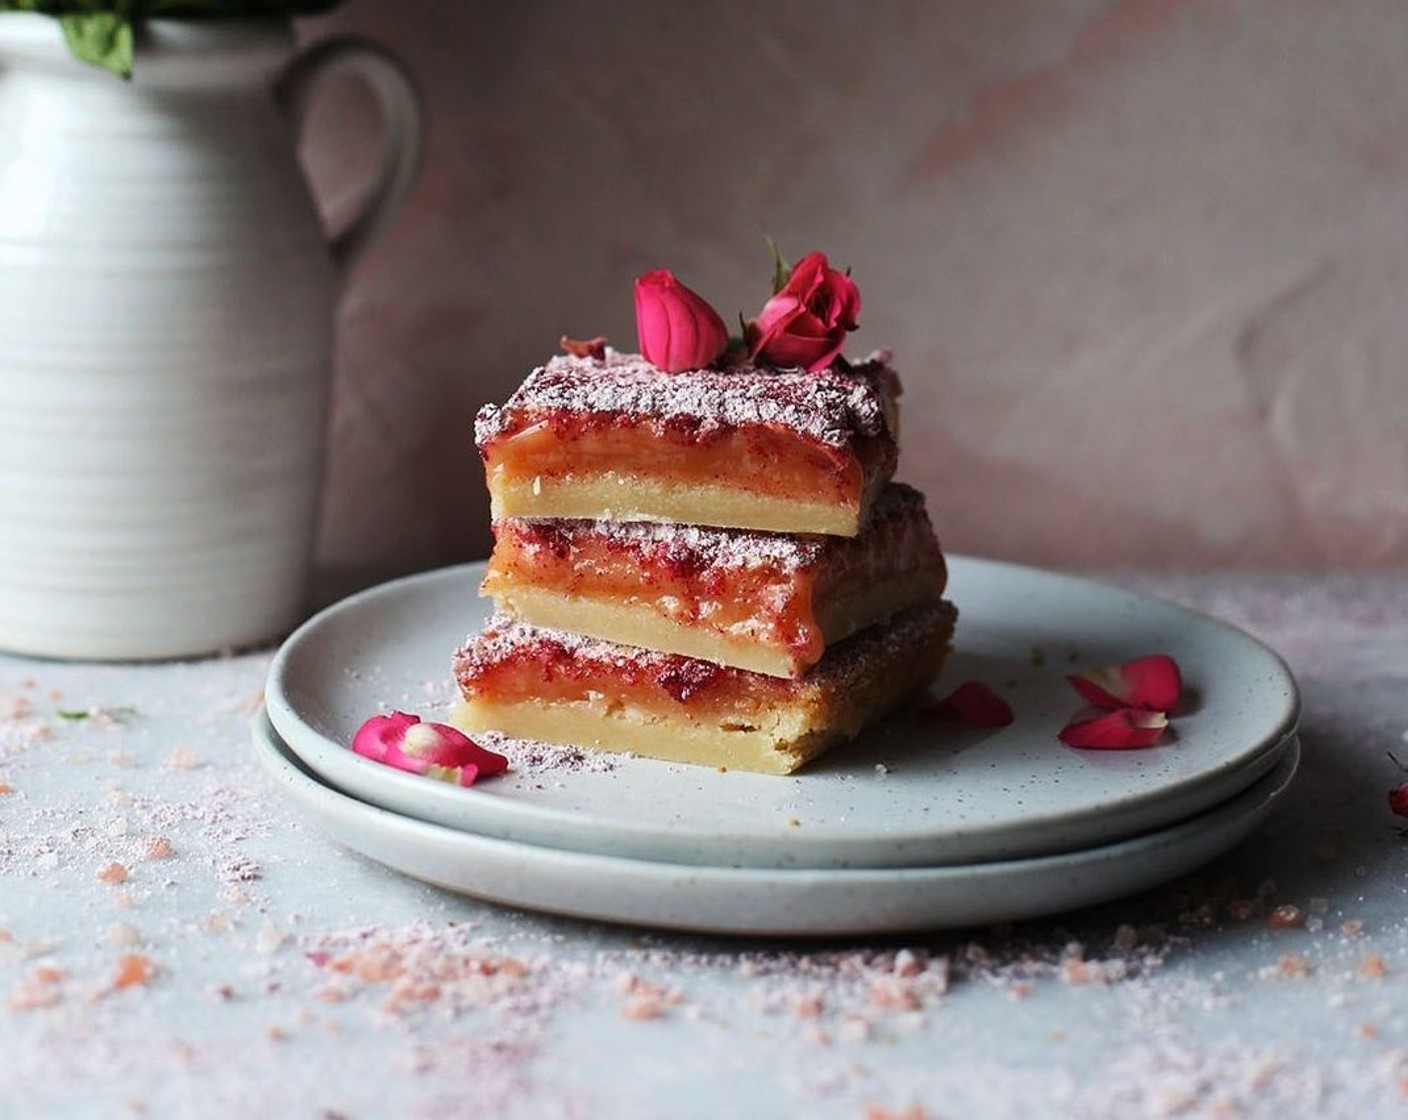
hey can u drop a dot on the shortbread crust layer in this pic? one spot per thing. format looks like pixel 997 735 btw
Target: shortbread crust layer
pixel 558 687
pixel 767 603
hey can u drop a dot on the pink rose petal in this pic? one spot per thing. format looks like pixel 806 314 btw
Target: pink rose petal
pixel 585 347
pixel 434 750
pixel 976 704
pixel 1152 683
pixel 381 733
pixel 1126 729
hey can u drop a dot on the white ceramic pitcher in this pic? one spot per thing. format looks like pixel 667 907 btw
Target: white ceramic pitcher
pixel 167 296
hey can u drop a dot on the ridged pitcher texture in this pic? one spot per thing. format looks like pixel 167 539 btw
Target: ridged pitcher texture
pixel 167 299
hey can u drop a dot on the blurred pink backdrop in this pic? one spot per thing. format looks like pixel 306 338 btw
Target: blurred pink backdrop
pixel 1141 262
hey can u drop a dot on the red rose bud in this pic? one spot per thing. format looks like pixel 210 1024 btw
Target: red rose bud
pixel 1398 800
pixel 677 329
pixel 434 750
pixel 805 324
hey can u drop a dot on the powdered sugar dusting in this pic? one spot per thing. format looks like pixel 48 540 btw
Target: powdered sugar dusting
pixel 529 758
pixel 831 407
pixel 330 987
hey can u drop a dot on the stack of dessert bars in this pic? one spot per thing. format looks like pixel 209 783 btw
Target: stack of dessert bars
pixel 711 566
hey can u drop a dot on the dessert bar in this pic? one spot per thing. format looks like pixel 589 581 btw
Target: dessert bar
pixel 749 447
pixel 770 603
pixel 557 687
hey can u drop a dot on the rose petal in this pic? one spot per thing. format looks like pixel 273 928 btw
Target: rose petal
pixel 1125 729
pixel 1152 683
pixel 402 741
pixel 464 776
pixel 381 733
pixel 1398 800
pixel 470 753
pixel 976 704
pixel 585 347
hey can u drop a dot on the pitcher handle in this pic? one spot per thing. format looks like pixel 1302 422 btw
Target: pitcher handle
pixel 401 109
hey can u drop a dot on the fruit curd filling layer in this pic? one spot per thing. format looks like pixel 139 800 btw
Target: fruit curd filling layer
pixel 615 436
pixel 558 449
pixel 761 601
pixel 557 687
pixel 509 658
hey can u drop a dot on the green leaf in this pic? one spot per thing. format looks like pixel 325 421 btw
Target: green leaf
pixel 103 32
pixel 76 714
pixel 781 270
pixel 102 39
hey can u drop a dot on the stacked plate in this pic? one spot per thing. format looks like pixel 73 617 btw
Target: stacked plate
pixel 922 823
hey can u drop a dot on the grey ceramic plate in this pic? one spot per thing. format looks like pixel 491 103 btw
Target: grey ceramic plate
pixel 947 794
pixel 751 900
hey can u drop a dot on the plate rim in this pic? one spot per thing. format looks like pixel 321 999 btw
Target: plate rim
pixel 522 821
pixel 1231 820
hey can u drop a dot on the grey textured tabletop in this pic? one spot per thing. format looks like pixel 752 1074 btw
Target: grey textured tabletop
pixel 176 941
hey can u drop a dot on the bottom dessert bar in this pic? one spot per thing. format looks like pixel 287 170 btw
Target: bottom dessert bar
pixel 556 687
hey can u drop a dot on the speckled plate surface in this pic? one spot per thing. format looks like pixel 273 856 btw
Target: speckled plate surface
pixel 802 902
pixel 917 790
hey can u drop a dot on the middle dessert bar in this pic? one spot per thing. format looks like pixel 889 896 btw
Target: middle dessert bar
pixel 555 687
pixel 749 447
pixel 765 602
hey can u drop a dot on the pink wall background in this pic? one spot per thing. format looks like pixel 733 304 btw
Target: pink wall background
pixel 1141 262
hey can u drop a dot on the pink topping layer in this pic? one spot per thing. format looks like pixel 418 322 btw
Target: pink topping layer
pixel 697 547
pixel 506 639
pixel 831 407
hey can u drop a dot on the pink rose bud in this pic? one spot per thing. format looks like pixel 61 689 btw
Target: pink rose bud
pixel 678 330
pixel 805 324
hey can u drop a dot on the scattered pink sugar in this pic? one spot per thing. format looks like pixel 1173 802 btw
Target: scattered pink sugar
pixel 419 966
pixel 1289 966
pixel 1167 1080
pixel 184 758
pixel 1372 967
pixel 134 970
pixel 112 873
pixel 158 847
pixel 21 726
pixel 39 990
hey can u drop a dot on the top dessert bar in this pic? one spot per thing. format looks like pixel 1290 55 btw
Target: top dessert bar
pixel 746 447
